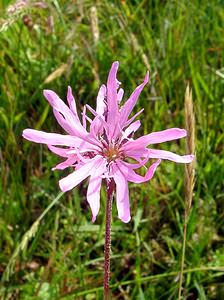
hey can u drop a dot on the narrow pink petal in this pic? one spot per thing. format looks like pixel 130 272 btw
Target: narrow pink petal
pixel 59 139
pixel 132 118
pixel 96 126
pixel 130 175
pixel 73 179
pixel 59 151
pixel 156 137
pixel 163 136
pixel 112 104
pixel 136 165
pixel 132 128
pixel 118 83
pixel 93 191
pixel 94 141
pixel 71 101
pixel 67 163
pixel 63 123
pixel 120 95
pixel 122 195
pixel 72 120
pixel 42 137
pixel 80 157
pixel 91 110
pixel 100 100
pixel 129 105
pixel 84 117
pixel 153 153
pixel 74 151
pixel 131 150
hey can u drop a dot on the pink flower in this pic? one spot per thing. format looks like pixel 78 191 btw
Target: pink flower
pixel 104 152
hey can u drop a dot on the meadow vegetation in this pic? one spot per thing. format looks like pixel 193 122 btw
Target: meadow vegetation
pixel 53 44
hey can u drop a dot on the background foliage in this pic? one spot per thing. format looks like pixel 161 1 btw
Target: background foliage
pixel 53 44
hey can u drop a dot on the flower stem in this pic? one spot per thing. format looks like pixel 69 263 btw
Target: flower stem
pixel 110 190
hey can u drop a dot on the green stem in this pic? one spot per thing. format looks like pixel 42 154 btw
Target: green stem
pixel 183 254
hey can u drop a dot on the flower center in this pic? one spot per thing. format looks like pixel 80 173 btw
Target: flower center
pixel 111 153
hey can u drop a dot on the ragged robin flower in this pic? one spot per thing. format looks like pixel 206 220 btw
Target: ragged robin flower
pixel 107 150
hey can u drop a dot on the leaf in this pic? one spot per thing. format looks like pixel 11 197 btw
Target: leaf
pixel 43 117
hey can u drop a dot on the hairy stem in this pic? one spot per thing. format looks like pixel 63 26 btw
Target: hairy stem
pixel 110 190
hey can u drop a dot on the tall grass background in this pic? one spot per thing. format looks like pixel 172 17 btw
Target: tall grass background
pixel 53 44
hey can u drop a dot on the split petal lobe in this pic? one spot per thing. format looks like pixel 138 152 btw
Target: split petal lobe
pixel 57 104
pixel 122 195
pixel 154 153
pixel 63 123
pixel 132 118
pixel 112 95
pixel 73 179
pixel 136 165
pixel 91 110
pixel 71 101
pixel 129 105
pixel 42 137
pixel 55 139
pixel 84 117
pixel 163 136
pixel 93 191
pixel 70 119
pixel 63 152
pixel 67 163
pixel 100 104
pixel 120 95
pixel 133 177
pixel 132 128
pixel 134 152
pixel 96 126
pixel 93 195
pixel 157 137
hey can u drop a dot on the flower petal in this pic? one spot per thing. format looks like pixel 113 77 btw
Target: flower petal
pixel 63 123
pixel 112 104
pixel 130 175
pixel 136 165
pixel 73 179
pixel 132 128
pixel 70 119
pixel 120 95
pixel 91 110
pixel 93 191
pixel 42 137
pixel 134 152
pixel 132 118
pixel 71 101
pixel 100 100
pixel 96 126
pixel 122 195
pixel 67 163
pixel 156 137
pixel 84 117
pixel 63 152
pixel 130 103
pixel 154 153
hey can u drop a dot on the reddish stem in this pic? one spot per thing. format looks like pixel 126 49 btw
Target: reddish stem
pixel 110 190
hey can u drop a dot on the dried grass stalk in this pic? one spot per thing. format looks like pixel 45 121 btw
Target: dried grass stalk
pixel 189 176
pixel 94 24
pixel 189 168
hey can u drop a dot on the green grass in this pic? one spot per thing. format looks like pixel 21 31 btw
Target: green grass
pixel 182 42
